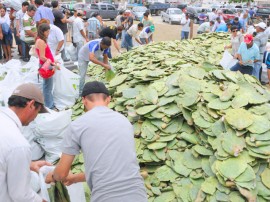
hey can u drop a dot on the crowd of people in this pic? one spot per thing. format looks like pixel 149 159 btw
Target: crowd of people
pixel 249 37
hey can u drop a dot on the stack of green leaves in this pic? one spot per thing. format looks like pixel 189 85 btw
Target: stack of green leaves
pixel 58 193
pixel 202 134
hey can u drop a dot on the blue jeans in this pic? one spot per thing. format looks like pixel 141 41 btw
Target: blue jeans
pixel 243 69
pixel 257 69
pixel 47 92
pixel 123 39
pixel 23 49
pixel 184 35
pixel 82 66
pixel 79 45
pixel 128 42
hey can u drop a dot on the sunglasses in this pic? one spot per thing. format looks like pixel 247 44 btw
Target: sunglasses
pixel 234 31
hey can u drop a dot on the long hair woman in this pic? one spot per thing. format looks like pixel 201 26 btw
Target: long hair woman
pixel 45 56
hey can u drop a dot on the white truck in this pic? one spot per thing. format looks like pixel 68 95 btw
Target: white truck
pixel 172 15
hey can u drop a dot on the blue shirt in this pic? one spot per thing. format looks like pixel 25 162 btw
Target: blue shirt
pixel 238 25
pixel 222 28
pixel 244 23
pixel 93 25
pixel 44 12
pixel 266 59
pixel 247 54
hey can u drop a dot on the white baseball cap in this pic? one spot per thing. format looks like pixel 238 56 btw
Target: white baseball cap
pixel 127 11
pixel 261 25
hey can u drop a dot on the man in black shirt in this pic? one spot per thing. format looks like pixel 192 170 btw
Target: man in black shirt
pixel 111 32
pixel 61 22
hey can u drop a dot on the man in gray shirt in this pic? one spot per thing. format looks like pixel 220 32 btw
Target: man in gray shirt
pixel 106 139
pixel 260 40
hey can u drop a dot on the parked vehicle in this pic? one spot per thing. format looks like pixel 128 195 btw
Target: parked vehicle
pixel 264 13
pixel 138 12
pixel 107 11
pixel 194 13
pixel 172 15
pixel 228 14
pixel 157 7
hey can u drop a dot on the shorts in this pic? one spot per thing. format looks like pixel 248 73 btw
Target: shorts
pixel 17 39
pixel 6 42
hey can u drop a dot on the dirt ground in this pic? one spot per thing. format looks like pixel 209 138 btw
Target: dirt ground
pixel 163 31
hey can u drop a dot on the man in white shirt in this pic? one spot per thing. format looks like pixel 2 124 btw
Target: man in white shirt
pixel 79 36
pixel 186 24
pixel 133 32
pixel 70 24
pixel 55 39
pixel 19 27
pixel 205 27
pixel 212 15
pixel 217 24
pixel 15 158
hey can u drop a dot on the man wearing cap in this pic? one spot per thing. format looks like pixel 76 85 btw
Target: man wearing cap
pixel 106 139
pixel 146 34
pixel 15 157
pixel 248 53
pixel 260 40
pixel 95 51
pixel 127 22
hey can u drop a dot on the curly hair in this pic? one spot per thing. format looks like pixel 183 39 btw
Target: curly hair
pixel 41 29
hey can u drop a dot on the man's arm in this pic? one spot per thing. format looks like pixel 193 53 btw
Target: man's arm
pixel 137 39
pixel 59 46
pixel 81 28
pixel 74 178
pixel 18 27
pixel 116 45
pixel 18 178
pixel 146 40
pixel 93 59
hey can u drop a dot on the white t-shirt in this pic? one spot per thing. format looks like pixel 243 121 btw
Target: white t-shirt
pixel 145 33
pixel 185 24
pixel 78 25
pixel 204 27
pixel 19 17
pixel 56 35
pixel 133 31
pixel 5 19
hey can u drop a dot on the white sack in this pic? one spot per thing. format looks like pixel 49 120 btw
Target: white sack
pixel 49 132
pixel 227 60
pixel 72 52
pixel 75 191
pixel 66 88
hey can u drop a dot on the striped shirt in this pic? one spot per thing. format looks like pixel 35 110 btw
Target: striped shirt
pixel 29 24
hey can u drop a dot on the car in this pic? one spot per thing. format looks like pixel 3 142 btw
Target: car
pixel 264 13
pixel 138 12
pixel 106 11
pixel 194 13
pixel 228 14
pixel 172 15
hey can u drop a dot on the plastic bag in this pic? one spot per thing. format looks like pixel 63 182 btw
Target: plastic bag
pixel 36 150
pixel 227 60
pixel 66 88
pixel 76 191
pixel 264 76
pixel 72 52
pixel 49 132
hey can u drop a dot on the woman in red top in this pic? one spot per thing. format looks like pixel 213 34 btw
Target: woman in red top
pixel 45 56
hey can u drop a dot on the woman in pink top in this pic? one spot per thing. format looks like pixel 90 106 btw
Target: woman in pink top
pixel 45 55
